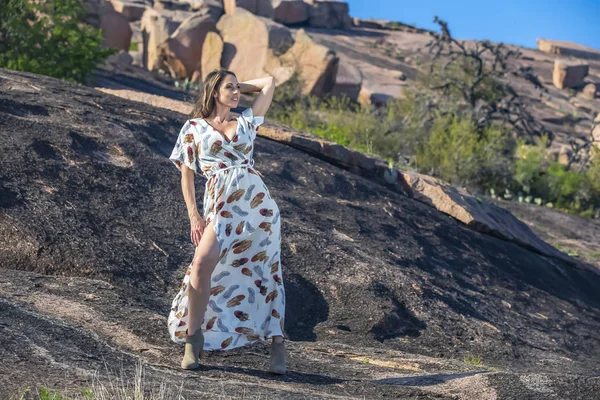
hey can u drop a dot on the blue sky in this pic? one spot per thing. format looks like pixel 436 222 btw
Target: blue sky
pixel 508 21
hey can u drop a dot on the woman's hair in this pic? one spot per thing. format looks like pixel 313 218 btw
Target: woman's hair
pixel 206 101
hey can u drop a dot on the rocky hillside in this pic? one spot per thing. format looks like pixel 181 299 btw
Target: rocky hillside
pixel 387 297
pixel 369 61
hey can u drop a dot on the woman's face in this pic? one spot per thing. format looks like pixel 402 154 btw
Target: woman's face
pixel 228 92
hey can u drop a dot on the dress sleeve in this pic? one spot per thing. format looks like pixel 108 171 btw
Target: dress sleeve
pixel 252 121
pixel 185 150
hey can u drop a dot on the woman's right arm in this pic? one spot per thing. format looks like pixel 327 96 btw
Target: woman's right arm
pixel 189 194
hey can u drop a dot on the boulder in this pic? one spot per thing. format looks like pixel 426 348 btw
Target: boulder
pixel 317 64
pixel 156 27
pixel 328 14
pixel 212 51
pixel 172 5
pixel 130 9
pixel 181 53
pixel 568 74
pixel 275 67
pixel 367 96
pixel 116 30
pixel 567 49
pixel 120 59
pixel 244 57
pixel 262 8
pixel 212 7
pixel 348 81
pixel 480 215
pixel 368 23
pixel 249 58
pixel 280 37
pixel 589 91
pixel 115 26
pixel 290 12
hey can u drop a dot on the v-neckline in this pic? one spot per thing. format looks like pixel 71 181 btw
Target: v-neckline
pixel 222 134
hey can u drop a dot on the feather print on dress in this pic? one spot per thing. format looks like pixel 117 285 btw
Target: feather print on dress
pixel 246 297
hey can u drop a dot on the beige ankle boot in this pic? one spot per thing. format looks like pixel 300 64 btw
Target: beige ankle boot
pixel 278 357
pixel 194 349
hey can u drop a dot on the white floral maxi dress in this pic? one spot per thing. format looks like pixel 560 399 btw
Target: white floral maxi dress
pixel 247 296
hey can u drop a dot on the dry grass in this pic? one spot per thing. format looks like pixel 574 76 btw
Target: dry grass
pixel 124 386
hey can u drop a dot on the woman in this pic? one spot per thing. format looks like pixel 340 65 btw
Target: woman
pixel 236 269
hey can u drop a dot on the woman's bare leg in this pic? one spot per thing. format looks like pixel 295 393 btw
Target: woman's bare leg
pixel 205 260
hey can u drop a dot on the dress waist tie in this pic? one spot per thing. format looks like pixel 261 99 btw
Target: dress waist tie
pixel 210 174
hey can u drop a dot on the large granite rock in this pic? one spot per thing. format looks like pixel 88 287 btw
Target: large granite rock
pixel 115 26
pixel 479 215
pixel 156 28
pixel 317 64
pixel 202 7
pixel 367 96
pixel 262 8
pixel 173 5
pixel 280 37
pixel 563 48
pixel 181 53
pixel 348 81
pixel 369 23
pixel 252 58
pixel 244 57
pixel 212 7
pixel 212 51
pixel 569 74
pixel 116 30
pixel 328 14
pixel 290 12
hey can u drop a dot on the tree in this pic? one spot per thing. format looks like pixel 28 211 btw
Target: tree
pixel 472 76
pixel 48 37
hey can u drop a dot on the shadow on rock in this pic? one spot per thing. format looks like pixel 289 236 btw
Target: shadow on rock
pixel 398 320
pixel 307 313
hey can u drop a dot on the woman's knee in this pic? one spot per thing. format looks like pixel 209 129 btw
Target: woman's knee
pixel 204 264
pixel 207 253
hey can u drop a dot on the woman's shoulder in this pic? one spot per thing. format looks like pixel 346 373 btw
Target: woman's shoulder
pixel 198 123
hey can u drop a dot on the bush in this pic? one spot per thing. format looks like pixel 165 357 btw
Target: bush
pixel 461 153
pixel 47 37
pixel 537 175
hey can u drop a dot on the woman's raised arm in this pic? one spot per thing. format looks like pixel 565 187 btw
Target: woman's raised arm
pixel 266 87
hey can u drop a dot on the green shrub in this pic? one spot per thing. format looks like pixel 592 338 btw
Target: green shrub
pixel 47 37
pixel 531 162
pixel 547 180
pixel 461 153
